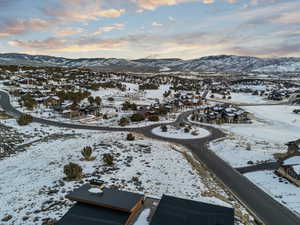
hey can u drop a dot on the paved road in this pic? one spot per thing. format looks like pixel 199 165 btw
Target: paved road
pixel 266 208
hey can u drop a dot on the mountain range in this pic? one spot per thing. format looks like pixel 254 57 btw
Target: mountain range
pixel 220 63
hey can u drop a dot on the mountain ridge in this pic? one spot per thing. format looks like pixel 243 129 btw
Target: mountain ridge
pixel 214 63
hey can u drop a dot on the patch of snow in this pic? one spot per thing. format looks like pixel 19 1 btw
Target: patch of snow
pixel 95 190
pixel 292 161
pixel 284 192
pixel 234 151
pixel 179 133
pixel 142 220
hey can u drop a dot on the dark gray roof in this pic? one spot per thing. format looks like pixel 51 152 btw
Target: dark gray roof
pixel 176 211
pixel 110 198
pixel 84 214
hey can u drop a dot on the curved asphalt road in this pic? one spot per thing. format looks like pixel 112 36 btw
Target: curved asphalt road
pixel 261 204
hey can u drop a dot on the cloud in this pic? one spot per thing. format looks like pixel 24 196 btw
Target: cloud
pixel 289 17
pixel 39 45
pixel 116 26
pixel 53 45
pixel 68 31
pixel 153 4
pixel 81 10
pixel 172 19
pixel 262 30
pixel 17 27
pixel 155 24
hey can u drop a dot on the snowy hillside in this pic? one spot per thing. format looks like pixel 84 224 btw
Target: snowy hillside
pixel 221 63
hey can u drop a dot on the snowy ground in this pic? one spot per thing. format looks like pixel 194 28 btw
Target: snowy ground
pixel 179 133
pixel 35 177
pixel 239 98
pixel 261 87
pixel 142 220
pixel 279 188
pixel 276 124
pixel 235 151
pixel 272 127
pixel 292 161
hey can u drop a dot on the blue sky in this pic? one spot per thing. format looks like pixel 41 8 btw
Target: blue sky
pixel 150 28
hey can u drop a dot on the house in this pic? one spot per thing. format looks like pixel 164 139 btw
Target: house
pixel 290 172
pixel 52 101
pixel 293 147
pixel 115 207
pixel 221 114
pixel 101 207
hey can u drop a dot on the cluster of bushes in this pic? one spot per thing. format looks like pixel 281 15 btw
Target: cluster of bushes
pixel 28 101
pixel 112 84
pixel 73 171
pixel 153 118
pixel 130 137
pixel 164 128
pixel 162 111
pixel 111 99
pixel 87 153
pixel 148 86
pixel 137 117
pixel 108 159
pixel 73 96
pixel 96 100
pixel 24 120
pixel 127 105
pixel 297 111
pixel 167 93
pixel 123 121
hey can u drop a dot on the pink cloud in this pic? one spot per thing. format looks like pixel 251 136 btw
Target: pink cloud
pixel 81 10
pixel 68 31
pixel 23 26
pixel 116 26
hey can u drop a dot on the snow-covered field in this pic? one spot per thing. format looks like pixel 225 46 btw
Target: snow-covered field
pixel 37 188
pixel 292 161
pixel 179 133
pixel 240 98
pixel 277 123
pixel 247 98
pixel 273 126
pixel 238 151
pixel 284 192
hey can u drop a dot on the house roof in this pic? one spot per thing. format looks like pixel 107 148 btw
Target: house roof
pixel 85 214
pixel 176 211
pixel 110 198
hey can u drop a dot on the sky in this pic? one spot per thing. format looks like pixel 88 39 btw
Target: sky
pixel 134 29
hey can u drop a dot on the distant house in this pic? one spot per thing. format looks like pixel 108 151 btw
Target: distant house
pixel 293 147
pixel 290 172
pixel 221 114
pixel 52 101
